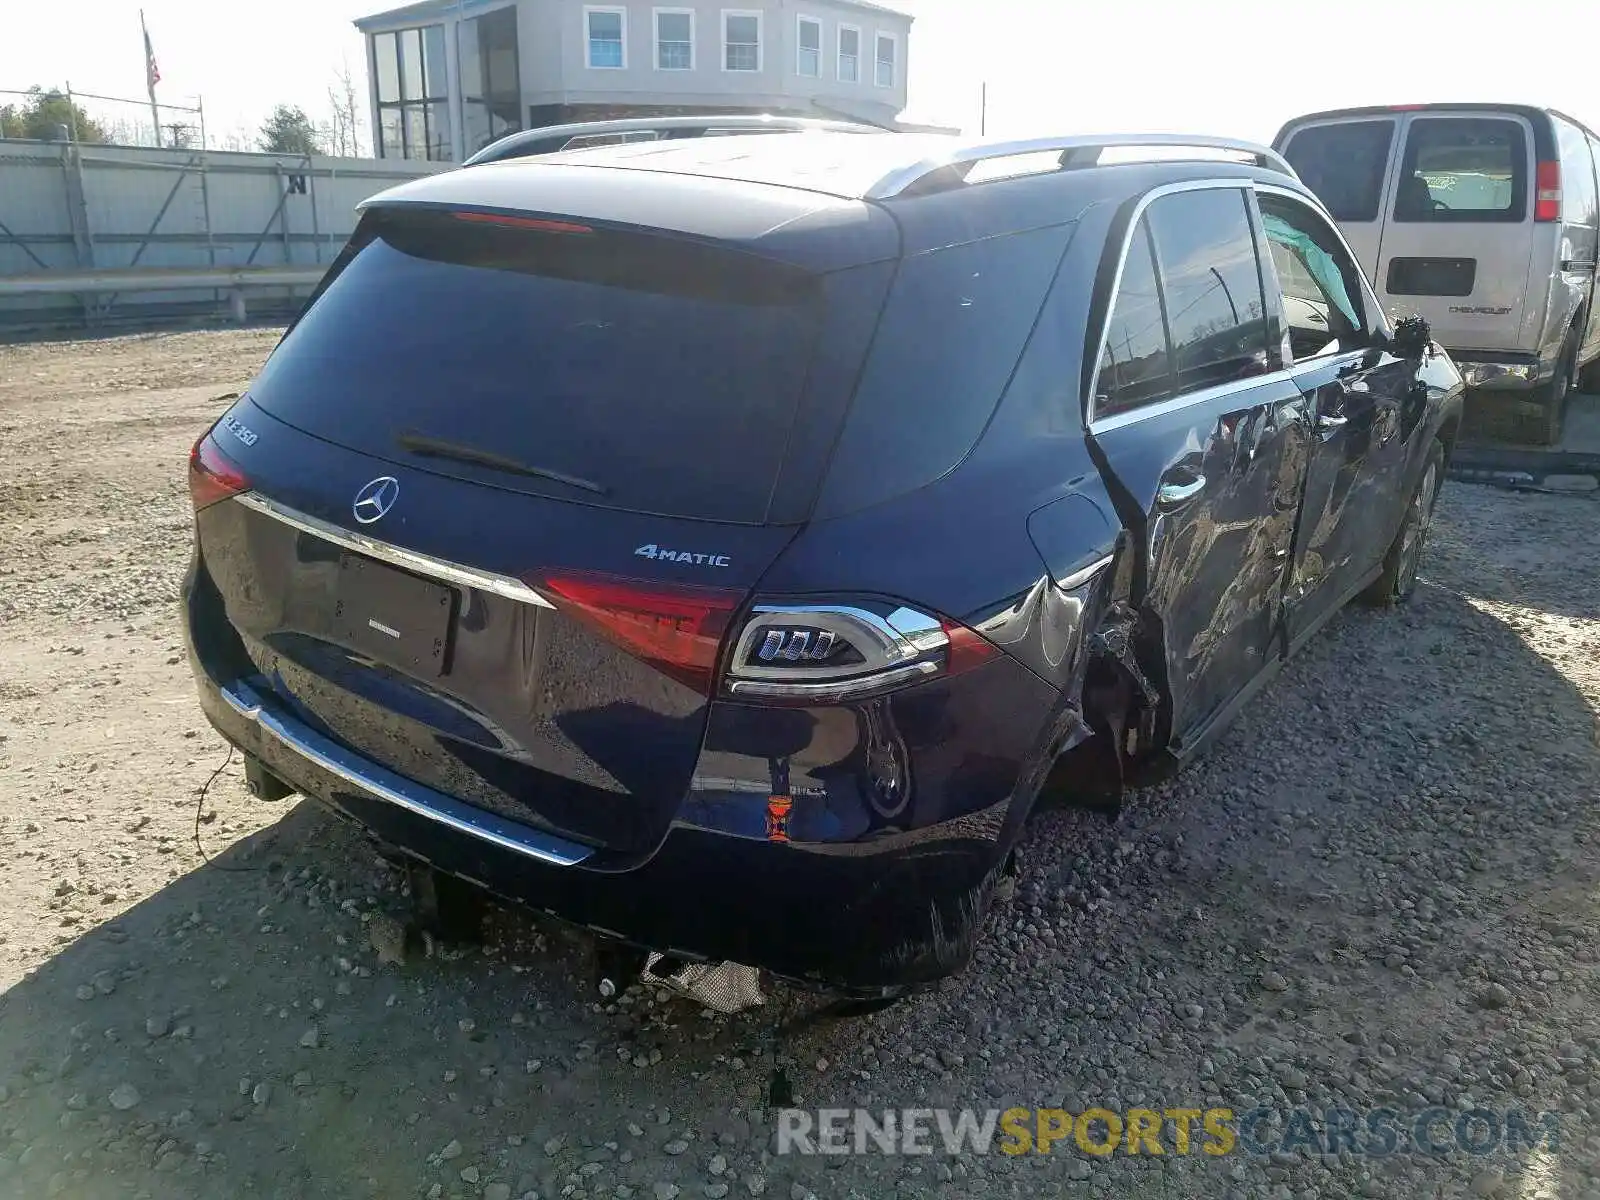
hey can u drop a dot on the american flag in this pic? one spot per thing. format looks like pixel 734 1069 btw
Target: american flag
pixel 152 73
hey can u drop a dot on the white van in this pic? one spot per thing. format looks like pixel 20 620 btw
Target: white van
pixel 1485 219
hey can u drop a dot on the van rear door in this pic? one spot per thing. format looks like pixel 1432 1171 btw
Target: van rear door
pixel 1458 245
pixel 1345 161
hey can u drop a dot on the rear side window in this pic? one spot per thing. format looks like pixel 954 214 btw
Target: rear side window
pixel 1135 366
pixel 1463 169
pixel 952 330
pixel 1344 164
pixel 1211 283
pixel 665 373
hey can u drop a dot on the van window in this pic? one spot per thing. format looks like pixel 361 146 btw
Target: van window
pixel 1463 169
pixel 1136 365
pixel 1344 165
pixel 1211 283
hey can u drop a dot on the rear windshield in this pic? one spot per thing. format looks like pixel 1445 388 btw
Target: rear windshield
pixel 1463 169
pixel 1344 165
pixel 654 374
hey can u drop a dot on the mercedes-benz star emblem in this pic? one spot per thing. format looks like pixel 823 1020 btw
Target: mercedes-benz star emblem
pixel 376 499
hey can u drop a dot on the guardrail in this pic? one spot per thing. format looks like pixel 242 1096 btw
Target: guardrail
pixel 233 280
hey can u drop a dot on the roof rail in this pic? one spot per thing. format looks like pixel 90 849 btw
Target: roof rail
pixel 551 138
pixel 950 168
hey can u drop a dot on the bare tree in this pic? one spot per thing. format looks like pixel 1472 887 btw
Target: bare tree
pixel 240 137
pixel 345 126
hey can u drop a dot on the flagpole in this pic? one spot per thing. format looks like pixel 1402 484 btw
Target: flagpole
pixel 150 82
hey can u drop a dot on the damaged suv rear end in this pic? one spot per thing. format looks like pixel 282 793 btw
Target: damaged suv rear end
pixel 699 543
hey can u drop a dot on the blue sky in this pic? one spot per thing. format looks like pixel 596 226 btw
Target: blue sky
pixel 1133 65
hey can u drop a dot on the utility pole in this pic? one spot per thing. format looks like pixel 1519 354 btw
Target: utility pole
pixel 983 109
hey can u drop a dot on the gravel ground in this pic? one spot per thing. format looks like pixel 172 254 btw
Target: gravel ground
pixel 1379 889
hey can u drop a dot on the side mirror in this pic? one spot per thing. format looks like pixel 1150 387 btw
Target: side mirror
pixel 1412 337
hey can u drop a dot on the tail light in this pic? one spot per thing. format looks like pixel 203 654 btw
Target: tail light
pixel 213 475
pixel 1547 195
pixel 826 653
pixel 510 222
pixel 677 629
pixel 819 654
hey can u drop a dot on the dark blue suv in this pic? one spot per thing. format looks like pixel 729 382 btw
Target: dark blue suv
pixel 718 543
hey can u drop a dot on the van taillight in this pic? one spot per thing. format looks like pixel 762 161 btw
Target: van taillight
pixel 213 475
pixel 677 629
pixel 1547 196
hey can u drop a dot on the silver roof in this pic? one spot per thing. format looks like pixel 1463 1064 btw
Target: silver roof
pixel 881 168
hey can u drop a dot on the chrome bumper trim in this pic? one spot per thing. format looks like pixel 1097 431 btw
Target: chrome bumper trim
pixel 1509 376
pixel 397 556
pixel 377 781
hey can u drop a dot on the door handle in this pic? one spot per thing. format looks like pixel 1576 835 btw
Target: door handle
pixel 1169 495
pixel 1327 421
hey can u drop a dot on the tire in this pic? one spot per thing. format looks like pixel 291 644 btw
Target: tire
pixel 1398 580
pixel 1589 378
pixel 1544 428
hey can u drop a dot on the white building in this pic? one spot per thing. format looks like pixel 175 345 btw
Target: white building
pixel 449 76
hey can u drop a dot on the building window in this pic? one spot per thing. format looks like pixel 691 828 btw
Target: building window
pixel 413 107
pixel 607 32
pixel 741 41
pixel 887 48
pixel 674 39
pixel 491 96
pixel 808 52
pixel 849 54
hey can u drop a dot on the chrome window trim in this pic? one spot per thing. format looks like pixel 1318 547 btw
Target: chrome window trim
pixel 396 556
pixel 1097 423
pixel 1175 403
pixel 1323 361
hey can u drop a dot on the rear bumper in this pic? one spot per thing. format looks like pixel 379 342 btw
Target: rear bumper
pixel 859 918
pixel 1501 372
pixel 874 912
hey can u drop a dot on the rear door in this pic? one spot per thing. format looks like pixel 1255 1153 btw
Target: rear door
pixel 1346 162
pixel 1458 246
pixel 1203 444
pixel 1580 214
pixel 1358 392
pixel 513 477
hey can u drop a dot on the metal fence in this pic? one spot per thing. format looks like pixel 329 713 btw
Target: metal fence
pixel 114 218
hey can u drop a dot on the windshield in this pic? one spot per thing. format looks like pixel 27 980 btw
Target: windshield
pixel 665 370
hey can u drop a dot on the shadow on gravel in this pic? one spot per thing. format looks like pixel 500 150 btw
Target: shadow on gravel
pixel 236 1034
pixel 1380 889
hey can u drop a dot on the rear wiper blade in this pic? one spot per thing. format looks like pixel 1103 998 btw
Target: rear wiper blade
pixel 431 447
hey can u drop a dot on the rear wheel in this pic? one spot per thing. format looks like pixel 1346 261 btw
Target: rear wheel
pixel 1544 428
pixel 1589 377
pixel 1399 578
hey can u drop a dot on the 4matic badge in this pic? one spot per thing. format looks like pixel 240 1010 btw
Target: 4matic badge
pixel 684 556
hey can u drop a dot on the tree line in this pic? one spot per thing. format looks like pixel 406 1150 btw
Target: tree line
pixel 48 114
